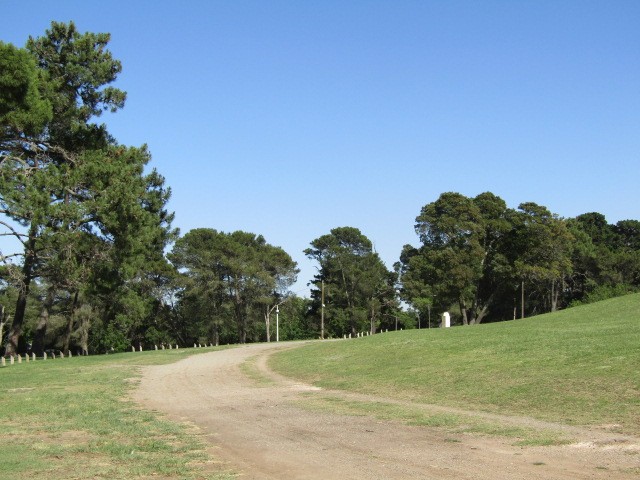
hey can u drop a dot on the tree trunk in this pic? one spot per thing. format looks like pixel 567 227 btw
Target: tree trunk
pixel 240 316
pixel 555 296
pixel 322 313
pixel 43 322
pixel 15 333
pixel 84 335
pixel 463 312
pixel 352 320
pixel 70 319
pixel 242 324
pixel 352 317
pixel 483 313
pixel 372 321
pixel 15 345
pixel 216 334
pixel 267 323
pixel 1 326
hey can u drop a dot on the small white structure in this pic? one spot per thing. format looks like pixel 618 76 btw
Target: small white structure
pixel 446 320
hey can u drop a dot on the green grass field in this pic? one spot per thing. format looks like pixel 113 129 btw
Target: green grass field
pixel 70 418
pixel 577 367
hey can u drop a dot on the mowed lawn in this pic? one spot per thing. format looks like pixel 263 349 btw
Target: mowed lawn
pixel 580 366
pixel 71 418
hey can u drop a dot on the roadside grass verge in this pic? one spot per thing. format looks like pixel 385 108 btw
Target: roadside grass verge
pixel 574 367
pixel 73 419
pixel 452 423
pixel 250 369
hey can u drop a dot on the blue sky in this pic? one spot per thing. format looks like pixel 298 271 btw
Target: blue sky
pixel 290 118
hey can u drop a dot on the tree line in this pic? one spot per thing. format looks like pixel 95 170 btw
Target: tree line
pixel 98 267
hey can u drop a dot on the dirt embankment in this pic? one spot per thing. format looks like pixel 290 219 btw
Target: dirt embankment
pixel 257 430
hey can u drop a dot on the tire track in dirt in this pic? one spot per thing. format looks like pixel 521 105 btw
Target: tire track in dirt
pixel 258 431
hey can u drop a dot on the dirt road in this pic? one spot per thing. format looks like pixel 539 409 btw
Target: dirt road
pixel 259 430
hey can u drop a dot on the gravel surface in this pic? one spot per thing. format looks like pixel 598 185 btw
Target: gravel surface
pixel 259 430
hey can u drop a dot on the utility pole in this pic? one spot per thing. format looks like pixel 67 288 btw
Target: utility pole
pixel 277 324
pixel 322 313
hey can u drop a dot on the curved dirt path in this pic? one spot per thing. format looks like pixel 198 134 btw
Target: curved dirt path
pixel 257 430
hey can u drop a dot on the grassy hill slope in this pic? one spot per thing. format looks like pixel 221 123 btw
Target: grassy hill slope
pixel 579 366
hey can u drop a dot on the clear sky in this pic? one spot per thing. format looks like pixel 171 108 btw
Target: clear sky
pixel 290 118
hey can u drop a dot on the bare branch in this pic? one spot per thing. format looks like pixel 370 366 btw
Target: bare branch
pixel 14 233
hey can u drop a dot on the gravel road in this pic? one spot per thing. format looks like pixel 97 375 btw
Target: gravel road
pixel 259 430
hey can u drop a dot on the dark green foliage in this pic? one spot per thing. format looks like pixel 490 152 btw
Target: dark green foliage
pixel 79 69
pixel 22 107
pixel 231 284
pixel 359 291
pixel 606 258
pixel 462 257
pixel 91 224
pixel 491 263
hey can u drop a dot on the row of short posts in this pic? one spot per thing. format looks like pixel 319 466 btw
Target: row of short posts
pixel 363 334
pixel 29 358
pixel 446 323
pixel 171 347
pixel 18 358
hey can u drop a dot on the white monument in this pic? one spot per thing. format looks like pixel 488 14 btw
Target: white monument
pixel 446 320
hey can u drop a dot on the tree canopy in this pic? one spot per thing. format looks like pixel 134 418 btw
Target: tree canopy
pixel 489 262
pixel 232 280
pixel 357 288
pixel 84 214
pixel 93 270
